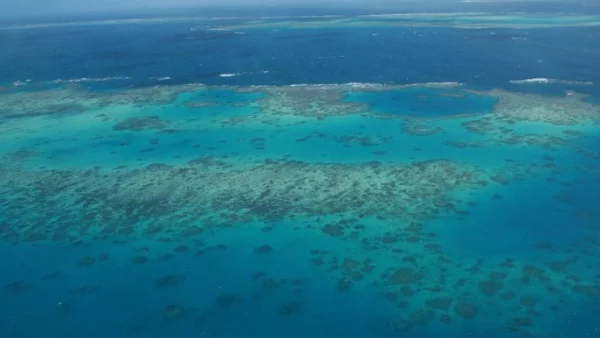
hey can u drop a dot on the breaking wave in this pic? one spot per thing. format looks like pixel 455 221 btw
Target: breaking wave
pixel 378 85
pixel 79 80
pixel 543 80
pixel 88 79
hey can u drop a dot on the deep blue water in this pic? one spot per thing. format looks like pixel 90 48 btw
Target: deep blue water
pixel 148 52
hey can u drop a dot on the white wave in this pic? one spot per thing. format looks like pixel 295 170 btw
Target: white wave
pixel 379 85
pixel 165 78
pixel 243 73
pixel 332 85
pixel 104 22
pixel 543 80
pixel 20 83
pixel 362 84
pixel 425 14
pixel 283 17
pixel 153 21
pixel 301 17
pixel 493 1
pixel 87 79
pixel 447 84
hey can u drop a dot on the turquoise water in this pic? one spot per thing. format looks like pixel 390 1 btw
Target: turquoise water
pixel 257 210
pixel 224 206
pixel 425 102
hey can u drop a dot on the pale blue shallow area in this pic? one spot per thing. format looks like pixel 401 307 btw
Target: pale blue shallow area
pixel 424 102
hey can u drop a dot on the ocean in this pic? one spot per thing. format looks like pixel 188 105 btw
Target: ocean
pixel 324 173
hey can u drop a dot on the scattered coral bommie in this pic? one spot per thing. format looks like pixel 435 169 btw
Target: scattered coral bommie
pixel 141 123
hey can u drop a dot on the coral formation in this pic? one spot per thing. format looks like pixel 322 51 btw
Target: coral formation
pixel 291 308
pixel 405 276
pixel 169 281
pixel 229 299
pixel 74 99
pixel 141 123
pixel 466 310
pixel 174 311
pixel 265 248
pixel 385 224
pixel 252 192
pixel 440 303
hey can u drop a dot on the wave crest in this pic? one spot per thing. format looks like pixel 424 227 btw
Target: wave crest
pixel 88 79
pixel 379 85
pixel 543 80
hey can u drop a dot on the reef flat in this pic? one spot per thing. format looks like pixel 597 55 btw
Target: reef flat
pixel 455 20
pixel 466 20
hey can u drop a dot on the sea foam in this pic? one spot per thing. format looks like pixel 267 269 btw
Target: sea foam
pixel 88 79
pixel 543 80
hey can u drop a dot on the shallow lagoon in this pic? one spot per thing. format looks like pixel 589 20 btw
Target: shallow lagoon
pixel 425 102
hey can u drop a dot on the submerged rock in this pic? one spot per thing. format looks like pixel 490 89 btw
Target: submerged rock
pixel 139 260
pixel 405 276
pixel 51 275
pixel 229 299
pixel 263 249
pixel 422 317
pixel 141 123
pixel 440 303
pixel 169 281
pixel 490 288
pixel 174 311
pixel 291 308
pixel 334 230
pixel 86 261
pixel 466 310
pixel 19 286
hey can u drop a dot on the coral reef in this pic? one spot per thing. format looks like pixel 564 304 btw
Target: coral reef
pixel 228 300
pixel 169 281
pixel 235 194
pixel 74 99
pixel 141 123
pixel 378 227
pixel 474 21
pixel 440 303
pixel 565 110
pixel 466 310
pixel 265 248
pixel 174 312
pixel 19 286
pixel 306 101
pixel 405 276
pixel 291 308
